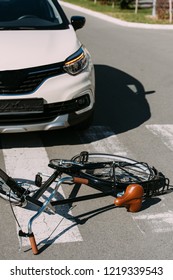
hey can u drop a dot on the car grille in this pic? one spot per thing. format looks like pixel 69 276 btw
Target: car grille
pixel 51 111
pixel 27 80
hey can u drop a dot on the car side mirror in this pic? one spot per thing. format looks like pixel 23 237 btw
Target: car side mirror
pixel 78 22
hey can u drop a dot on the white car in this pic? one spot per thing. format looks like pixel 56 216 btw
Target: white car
pixel 46 75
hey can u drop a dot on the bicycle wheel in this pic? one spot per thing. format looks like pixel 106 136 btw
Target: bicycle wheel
pixel 9 189
pixel 119 172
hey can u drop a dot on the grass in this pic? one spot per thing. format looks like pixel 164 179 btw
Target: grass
pixel 142 16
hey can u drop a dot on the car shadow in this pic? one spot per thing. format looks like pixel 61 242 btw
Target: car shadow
pixel 120 100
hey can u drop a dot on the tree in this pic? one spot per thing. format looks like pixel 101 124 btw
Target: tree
pixel 124 4
pixel 136 6
pixel 164 9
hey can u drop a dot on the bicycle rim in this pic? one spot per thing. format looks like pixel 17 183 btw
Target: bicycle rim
pixel 7 194
pixel 126 170
pixel 9 189
pixel 121 171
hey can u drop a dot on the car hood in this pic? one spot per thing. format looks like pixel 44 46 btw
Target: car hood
pixel 28 48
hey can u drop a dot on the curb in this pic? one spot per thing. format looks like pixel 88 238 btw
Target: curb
pixel 115 20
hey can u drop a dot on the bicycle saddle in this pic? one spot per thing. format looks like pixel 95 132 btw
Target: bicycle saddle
pixel 132 198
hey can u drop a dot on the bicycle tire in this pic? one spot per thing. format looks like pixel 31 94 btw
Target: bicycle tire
pixel 121 171
pixel 9 189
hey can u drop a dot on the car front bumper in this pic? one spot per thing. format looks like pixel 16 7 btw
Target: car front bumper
pixel 53 118
pixel 57 93
pixel 59 122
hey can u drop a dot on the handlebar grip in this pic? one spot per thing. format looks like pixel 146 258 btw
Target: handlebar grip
pixel 33 244
pixel 80 180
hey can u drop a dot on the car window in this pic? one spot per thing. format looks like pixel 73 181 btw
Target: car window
pixel 34 14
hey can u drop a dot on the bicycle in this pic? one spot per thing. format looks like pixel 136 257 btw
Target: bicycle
pixel 128 181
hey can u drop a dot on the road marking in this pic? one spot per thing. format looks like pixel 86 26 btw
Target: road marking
pixel 156 222
pixel 103 140
pixel 25 162
pixel 163 221
pixel 165 132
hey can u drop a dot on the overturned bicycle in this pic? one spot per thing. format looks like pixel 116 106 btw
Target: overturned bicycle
pixel 130 183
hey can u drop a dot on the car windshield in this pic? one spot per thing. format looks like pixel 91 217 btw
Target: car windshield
pixel 31 14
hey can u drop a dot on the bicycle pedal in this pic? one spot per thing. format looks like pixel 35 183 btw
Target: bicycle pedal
pixel 38 180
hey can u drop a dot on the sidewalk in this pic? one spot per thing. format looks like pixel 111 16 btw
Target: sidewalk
pixel 117 21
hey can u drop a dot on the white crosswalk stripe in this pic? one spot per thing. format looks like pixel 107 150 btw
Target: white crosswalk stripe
pixel 158 222
pixel 164 132
pixel 155 222
pixel 103 140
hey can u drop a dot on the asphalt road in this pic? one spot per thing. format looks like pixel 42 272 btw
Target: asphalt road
pixel 133 117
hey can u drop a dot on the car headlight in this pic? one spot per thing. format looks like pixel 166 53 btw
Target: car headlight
pixel 77 62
